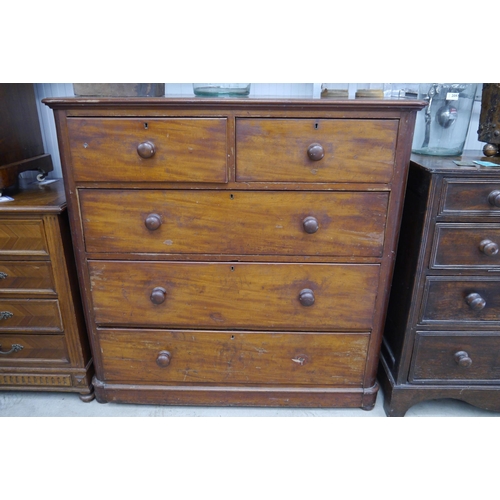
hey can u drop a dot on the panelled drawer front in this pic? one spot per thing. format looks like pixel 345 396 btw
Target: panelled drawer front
pixel 194 357
pixel 315 150
pixel 239 223
pixel 22 237
pixel 23 349
pixel 26 277
pixel 475 299
pixel 173 150
pixel 30 316
pixel 461 356
pixel 234 295
pixel 466 245
pixel 470 198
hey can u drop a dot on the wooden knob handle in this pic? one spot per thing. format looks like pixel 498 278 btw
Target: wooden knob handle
pixel 463 359
pixel 306 297
pixel 146 149
pixel 153 222
pixel 310 225
pixel 158 295
pixel 488 247
pixel 475 301
pixel 163 359
pixel 494 198
pixel 315 151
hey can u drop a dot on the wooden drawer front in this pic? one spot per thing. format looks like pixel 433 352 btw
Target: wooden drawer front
pixel 29 315
pixel 459 357
pixel 466 245
pixel 215 222
pixel 470 198
pixel 277 150
pixel 185 149
pixel 234 357
pixel 234 295
pixel 26 277
pixel 22 237
pixel 21 349
pixel 474 299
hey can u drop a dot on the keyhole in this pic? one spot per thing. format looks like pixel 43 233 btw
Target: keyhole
pixel 231 196
pixel 232 268
pixel 316 126
pixel 146 125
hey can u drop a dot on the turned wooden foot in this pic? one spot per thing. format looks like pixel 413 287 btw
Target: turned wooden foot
pixel 87 398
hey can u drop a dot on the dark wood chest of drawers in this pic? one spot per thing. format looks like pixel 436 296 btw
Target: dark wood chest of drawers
pixel 442 336
pixel 43 340
pixel 235 251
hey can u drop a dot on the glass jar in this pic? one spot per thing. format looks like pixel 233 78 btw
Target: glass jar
pixel 372 90
pixel 335 90
pixel 441 127
pixel 221 89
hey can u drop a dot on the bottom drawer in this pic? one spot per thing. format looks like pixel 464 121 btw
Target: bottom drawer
pixel 32 349
pixel 174 357
pixel 457 357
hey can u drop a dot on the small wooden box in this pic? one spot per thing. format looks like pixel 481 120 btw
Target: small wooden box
pixel 119 89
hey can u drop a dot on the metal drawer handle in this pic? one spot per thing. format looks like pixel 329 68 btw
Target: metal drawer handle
pixel 6 314
pixel 475 301
pixel 3 275
pixel 14 348
pixel 462 359
pixel 488 247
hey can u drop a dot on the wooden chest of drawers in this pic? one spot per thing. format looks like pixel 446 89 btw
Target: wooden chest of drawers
pixel 43 340
pixel 442 336
pixel 235 251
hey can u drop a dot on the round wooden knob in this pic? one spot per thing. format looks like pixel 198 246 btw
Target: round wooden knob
pixel 153 221
pixel 310 225
pixel 146 149
pixel 475 301
pixel 158 295
pixel 163 359
pixel 315 151
pixel 494 198
pixel 488 247
pixel 306 297
pixel 462 359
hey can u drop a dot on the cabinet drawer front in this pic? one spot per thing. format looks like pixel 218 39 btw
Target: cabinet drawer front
pixel 462 356
pixel 475 299
pixel 193 357
pixel 470 198
pixel 277 150
pixel 30 316
pixel 234 295
pixel 26 277
pixel 184 149
pixel 238 223
pixel 23 349
pixel 22 237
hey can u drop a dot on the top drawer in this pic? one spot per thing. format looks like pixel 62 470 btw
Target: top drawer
pixel 148 150
pixel 473 197
pixel 22 237
pixel 315 150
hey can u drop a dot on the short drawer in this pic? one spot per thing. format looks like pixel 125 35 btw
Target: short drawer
pixel 26 277
pixel 456 357
pixel 25 349
pixel 148 150
pixel 239 223
pixel 30 316
pixel 475 299
pixel 470 198
pixel 466 245
pixel 329 297
pixel 22 237
pixel 210 357
pixel 315 150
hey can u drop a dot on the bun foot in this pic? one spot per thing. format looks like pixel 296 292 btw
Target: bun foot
pixel 87 398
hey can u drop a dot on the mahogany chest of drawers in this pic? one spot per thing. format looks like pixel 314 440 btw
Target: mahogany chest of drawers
pixel 43 340
pixel 235 251
pixel 442 335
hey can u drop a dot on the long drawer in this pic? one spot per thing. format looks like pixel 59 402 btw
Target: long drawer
pixel 26 277
pixel 25 349
pixel 327 297
pixel 194 357
pixel 240 223
pixel 30 316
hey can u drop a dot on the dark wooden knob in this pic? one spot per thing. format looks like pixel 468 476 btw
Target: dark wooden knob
pixel 494 198
pixel 163 359
pixel 153 221
pixel 488 247
pixel 462 359
pixel 310 225
pixel 475 301
pixel 146 149
pixel 306 297
pixel 315 151
pixel 158 295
